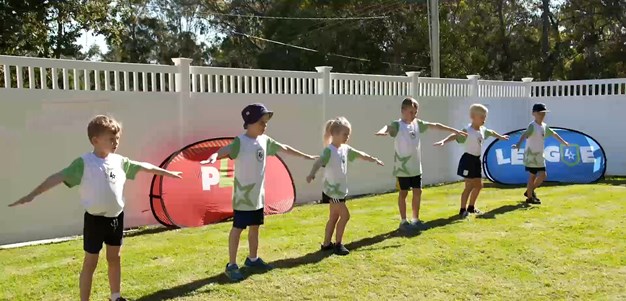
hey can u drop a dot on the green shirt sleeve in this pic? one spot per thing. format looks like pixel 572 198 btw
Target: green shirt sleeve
pixel 549 132
pixel 273 147
pixel 489 133
pixel 395 127
pixel 234 148
pixel 325 157
pixel 423 125
pixel 529 130
pixel 352 154
pixel 131 168
pixel 73 174
pixel 461 139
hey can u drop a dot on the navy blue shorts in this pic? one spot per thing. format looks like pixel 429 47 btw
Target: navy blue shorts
pixel 101 229
pixel 535 170
pixel 243 219
pixel 406 183
pixel 469 167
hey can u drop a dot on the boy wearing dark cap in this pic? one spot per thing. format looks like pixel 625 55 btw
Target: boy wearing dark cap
pixel 250 150
pixel 535 163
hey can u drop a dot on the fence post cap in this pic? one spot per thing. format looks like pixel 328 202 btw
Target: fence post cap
pixel 473 77
pixel 527 79
pixel 181 61
pixel 413 73
pixel 323 68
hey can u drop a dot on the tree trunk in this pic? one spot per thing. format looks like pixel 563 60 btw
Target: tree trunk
pixel 505 62
pixel 546 67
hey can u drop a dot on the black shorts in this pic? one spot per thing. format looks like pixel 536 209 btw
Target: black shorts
pixel 243 219
pixel 535 170
pixel 469 167
pixel 102 229
pixel 406 183
pixel 327 200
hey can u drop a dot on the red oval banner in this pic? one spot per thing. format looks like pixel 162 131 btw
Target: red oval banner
pixel 204 195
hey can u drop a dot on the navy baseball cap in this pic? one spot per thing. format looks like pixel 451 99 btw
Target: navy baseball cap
pixel 540 107
pixel 253 113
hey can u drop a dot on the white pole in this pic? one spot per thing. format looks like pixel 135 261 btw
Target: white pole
pixel 434 34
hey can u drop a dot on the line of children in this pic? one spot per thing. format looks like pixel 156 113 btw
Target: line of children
pixel 102 174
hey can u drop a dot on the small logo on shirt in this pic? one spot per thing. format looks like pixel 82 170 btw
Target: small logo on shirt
pixel 343 159
pixel 412 134
pixel 260 154
pixel 111 175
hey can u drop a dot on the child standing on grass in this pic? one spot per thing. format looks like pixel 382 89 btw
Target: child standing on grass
pixel 534 162
pixel 406 132
pixel 101 175
pixel 334 159
pixel 249 150
pixel 470 164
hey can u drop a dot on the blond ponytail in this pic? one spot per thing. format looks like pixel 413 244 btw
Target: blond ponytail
pixel 333 126
pixel 327 138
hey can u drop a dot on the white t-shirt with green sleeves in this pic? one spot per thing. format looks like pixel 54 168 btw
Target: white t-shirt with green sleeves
pixel 475 138
pixel 101 182
pixel 408 153
pixel 335 162
pixel 536 135
pixel 250 160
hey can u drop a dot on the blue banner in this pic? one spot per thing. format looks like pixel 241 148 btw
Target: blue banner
pixel 583 161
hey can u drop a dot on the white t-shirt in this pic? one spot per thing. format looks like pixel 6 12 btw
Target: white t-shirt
pixel 408 153
pixel 335 162
pixel 101 182
pixel 474 140
pixel 250 159
pixel 536 135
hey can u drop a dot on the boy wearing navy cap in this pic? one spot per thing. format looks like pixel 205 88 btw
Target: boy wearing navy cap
pixel 250 150
pixel 535 163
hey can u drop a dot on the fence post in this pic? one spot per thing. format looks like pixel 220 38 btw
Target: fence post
pixel 414 87
pixel 473 92
pixel 181 78
pixel 527 87
pixel 324 88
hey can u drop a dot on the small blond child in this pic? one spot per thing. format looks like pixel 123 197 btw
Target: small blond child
pixel 406 132
pixel 101 175
pixel 335 158
pixel 534 162
pixel 470 167
pixel 250 150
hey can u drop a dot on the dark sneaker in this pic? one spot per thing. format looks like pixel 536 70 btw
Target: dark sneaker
pixel 405 226
pixel 328 247
pixel 418 225
pixel 476 211
pixel 258 263
pixel 120 299
pixel 464 214
pixel 341 250
pixel 533 201
pixel 233 273
pixel 534 196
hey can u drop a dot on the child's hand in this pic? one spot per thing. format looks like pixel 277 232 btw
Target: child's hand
pixel 381 134
pixel 379 162
pixel 461 133
pixel 309 157
pixel 565 143
pixel 176 174
pixel 505 137
pixel 515 146
pixel 439 143
pixel 24 200
pixel 310 178
pixel 210 160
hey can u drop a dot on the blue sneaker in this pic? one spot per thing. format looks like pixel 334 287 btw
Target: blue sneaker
pixel 419 225
pixel 258 263
pixel 233 273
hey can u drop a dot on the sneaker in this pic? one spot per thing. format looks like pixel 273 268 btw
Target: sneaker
pixel 341 250
pixel 419 225
pixel 258 263
pixel 533 201
pixel 119 299
pixel 464 214
pixel 404 226
pixel 476 211
pixel 534 196
pixel 328 247
pixel 233 273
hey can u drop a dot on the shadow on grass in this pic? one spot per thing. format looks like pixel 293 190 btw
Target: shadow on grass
pixel 310 258
pixel 491 214
pixel 147 231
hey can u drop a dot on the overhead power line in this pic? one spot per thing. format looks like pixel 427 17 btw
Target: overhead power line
pixel 301 18
pixel 328 53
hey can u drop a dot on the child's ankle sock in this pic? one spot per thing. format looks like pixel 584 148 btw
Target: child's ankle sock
pixel 114 296
pixel 415 220
pixel 404 221
pixel 253 259
pixel 462 210
pixel 231 264
pixel 470 209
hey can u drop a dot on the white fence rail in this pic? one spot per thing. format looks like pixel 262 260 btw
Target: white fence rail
pixel 599 87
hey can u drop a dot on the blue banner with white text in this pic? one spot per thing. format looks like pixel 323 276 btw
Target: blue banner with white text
pixel 583 161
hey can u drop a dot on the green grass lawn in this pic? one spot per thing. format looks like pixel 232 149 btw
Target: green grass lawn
pixel 573 247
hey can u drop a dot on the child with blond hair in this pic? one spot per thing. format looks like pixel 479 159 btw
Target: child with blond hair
pixel 335 158
pixel 470 167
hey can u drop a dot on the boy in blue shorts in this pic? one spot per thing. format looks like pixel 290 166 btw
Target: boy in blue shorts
pixel 249 150
pixel 535 163
pixel 406 132
pixel 101 175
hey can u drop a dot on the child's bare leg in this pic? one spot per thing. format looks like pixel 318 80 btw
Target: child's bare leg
pixel 417 199
pixel 344 217
pixel 333 217
pixel 115 268
pixel 402 203
pixel 233 244
pixel 253 241
pixel 541 176
pixel 477 185
pixel 530 188
pixel 466 192
pixel 86 275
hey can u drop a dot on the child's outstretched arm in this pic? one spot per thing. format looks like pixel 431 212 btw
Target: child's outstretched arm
pixel 221 153
pixel 450 137
pixel 388 130
pixel 443 127
pixel 498 136
pixel 558 137
pixel 363 156
pixel 292 151
pixel 316 166
pixel 523 137
pixel 153 169
pixel 49 183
